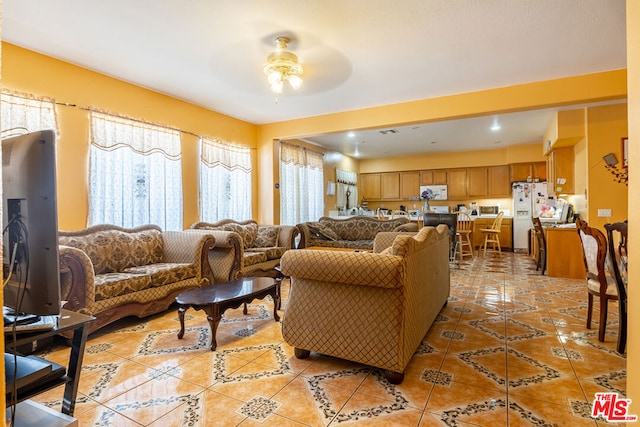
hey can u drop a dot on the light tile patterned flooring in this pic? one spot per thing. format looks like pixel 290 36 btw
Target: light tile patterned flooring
pixel 510 348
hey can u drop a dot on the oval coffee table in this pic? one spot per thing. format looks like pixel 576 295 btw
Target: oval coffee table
pixel 216 299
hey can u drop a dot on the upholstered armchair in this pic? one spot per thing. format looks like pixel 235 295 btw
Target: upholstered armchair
pixel 372 308
pixel 246 248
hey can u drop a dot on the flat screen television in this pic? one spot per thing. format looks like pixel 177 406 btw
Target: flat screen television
pixel 30 258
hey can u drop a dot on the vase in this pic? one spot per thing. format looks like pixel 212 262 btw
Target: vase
pixel 425 205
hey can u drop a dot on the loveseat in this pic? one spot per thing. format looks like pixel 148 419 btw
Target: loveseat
pixel 245 248
pixel 355 232
pixel 372 308
pixel 112 272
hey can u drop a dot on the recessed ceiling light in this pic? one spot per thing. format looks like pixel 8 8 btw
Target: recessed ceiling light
pixel 496 127
pixel 351 134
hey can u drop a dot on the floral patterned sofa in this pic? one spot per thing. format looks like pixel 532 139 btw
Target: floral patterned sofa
pixel 112 272
pixel 245 248
pixel 371 308
pixel 355 232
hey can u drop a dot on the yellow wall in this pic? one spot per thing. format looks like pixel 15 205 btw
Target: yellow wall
pixel 633 340
pixel 567 91
pixel 30 72
pixel 606 126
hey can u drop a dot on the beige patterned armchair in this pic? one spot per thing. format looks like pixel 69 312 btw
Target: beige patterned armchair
pixel 112 272
pixel 372 308
pixel 245 248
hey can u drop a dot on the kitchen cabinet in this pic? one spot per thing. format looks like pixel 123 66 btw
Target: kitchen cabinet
pixel 390 185
pixel 370 186
pixel 491 181
pixel 380 186
pixel 498 180
pixel 506 232
pixel 560 171
pixel 433 177
pixel 409 184
pixel 564 253
pixel 457 184
pixel 477 182
pixel 525 171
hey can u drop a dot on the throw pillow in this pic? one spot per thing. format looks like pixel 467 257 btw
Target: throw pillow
pixel 322 232
pixel 248 232
pixel 267 237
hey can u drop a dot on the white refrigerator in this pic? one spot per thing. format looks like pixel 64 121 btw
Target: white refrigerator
pixel 528 199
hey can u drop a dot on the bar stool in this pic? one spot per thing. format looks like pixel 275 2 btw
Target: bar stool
pixel 463 235
pixel 492 235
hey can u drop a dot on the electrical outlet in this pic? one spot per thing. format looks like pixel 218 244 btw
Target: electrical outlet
pixel 604 212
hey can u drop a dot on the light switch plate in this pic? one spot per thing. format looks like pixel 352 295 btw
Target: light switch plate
pixel 604 212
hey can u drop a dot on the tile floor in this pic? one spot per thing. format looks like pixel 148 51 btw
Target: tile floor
pixel 510 348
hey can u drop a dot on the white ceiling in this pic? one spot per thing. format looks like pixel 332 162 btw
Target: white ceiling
pixel 355 53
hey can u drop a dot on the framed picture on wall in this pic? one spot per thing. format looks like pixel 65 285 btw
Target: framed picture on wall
pixel 625 152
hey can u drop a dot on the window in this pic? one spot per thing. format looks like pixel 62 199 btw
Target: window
pixel 23 113
pixel 225 181
pixel 301 185
pixel 135 173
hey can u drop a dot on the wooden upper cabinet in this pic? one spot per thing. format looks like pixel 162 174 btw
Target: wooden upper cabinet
pixel 560 171
pixel 499 182
pixel 456 184
pixel 524 171
pixel 390 185
pixel 521 172
pixel 433 177
pixel 409 184
pixel 477 182
pixel 539 171
pixel 370 186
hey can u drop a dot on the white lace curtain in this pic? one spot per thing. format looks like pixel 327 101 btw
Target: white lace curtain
pixel 22 113
pixel 346 190
pixel 225 181
pixel 135 173
pixel 301 184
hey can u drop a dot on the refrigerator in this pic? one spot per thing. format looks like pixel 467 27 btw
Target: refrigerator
pixel 528 199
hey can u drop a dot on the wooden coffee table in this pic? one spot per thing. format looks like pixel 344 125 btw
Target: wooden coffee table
pixel 216 299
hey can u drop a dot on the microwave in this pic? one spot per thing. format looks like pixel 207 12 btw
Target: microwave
pixel 489 210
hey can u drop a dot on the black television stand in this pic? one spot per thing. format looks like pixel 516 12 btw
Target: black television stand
pixel 68 321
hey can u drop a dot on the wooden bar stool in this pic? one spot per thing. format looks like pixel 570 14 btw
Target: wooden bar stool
pixel 463 235
pixel 492 235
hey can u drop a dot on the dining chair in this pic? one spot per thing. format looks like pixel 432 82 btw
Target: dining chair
pixel 492 235
pixel 464 228
pixel 617 232
pixel 538 231
pixel 599 283
pixel 398 213
pixel 451 221
pixel 379 214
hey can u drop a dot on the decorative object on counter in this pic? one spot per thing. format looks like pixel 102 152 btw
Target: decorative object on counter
pixel 425 196
pixel 620 174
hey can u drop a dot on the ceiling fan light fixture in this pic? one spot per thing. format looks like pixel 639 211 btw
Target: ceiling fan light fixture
pixel 283 65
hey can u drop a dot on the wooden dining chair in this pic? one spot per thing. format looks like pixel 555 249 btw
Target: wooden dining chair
pixel 538 231
pixel 492 235
pixel 599 283
pixel 398 214
pixel 617 232
pixel 463 235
